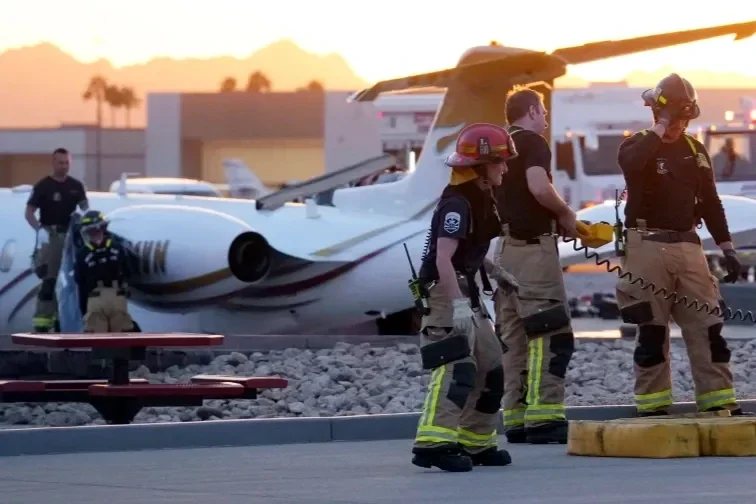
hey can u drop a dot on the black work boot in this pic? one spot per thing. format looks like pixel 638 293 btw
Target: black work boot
pixel 549 432
pixel 733 412
pixel 653 413
pixel 516 435
pixel 491 457
pixel 447 458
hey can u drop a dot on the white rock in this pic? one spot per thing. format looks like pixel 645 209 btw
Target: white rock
pixel 361 380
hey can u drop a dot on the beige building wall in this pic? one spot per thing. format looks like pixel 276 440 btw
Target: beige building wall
pixel 274 161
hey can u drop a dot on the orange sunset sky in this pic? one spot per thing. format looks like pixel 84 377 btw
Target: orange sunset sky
pixel 379 39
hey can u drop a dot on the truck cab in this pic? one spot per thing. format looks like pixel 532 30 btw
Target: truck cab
pixel 584 166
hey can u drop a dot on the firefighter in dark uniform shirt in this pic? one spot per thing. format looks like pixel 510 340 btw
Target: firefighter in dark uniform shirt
pixel 56 197
pixel 534 324
pixel 101 272
pixel 457 429
pixel 670 187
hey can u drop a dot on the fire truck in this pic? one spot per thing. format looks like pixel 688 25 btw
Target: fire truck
pixel 586 171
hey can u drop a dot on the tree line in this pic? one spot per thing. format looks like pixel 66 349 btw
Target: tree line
pixel 116 97
pixel 258 82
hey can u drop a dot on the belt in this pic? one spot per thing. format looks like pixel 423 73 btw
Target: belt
pixel 529 240
pixel 97 293
pixel 671 237
pixel 57 228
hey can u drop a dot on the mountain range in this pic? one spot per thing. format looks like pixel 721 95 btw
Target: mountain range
pixel 42 86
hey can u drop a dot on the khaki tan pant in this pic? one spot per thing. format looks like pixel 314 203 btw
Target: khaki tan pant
pixel 680 268
pixel 534 327
pixel 107 312
pixel 47 261
pixel 464 396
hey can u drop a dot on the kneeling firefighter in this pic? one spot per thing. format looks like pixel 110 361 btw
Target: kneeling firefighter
pixel 457 429
pixel 101 272
pixel 670 187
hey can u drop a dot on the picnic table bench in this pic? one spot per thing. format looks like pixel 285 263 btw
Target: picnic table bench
pixel 120 398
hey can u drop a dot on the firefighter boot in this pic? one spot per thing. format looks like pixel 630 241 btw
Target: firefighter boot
pixel 653 413
pixel 516 435
pixel 447 458
pixel 549 432
pixel 491 457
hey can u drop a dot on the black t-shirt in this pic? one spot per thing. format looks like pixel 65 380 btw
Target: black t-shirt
pixel 452 219
pixel 56 201
pixel 517 205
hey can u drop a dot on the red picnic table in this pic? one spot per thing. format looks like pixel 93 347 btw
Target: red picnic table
pixel 120 398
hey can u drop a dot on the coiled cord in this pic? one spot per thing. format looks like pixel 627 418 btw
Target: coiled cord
pixel 726 313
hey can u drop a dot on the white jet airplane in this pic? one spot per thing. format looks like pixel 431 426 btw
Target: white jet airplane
pixel 271 267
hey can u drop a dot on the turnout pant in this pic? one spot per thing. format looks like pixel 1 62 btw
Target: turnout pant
pixel 107 311
pixel 680 267
pixel 535 330
pixel 464 395
pixel 47 261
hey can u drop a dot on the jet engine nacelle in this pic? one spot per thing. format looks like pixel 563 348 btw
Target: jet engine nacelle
pixel 187 255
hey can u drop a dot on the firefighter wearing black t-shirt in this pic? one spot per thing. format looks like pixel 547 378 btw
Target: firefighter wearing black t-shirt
pixel 533 324
pixel 56 197
pixel 670 185
pixel 101 272
pixel 457 429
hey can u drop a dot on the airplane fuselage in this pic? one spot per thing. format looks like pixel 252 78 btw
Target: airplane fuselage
pixel 337 269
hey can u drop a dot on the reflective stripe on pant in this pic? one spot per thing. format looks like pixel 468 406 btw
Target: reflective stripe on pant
pixel 464 396
pixel 107 312
pixel 679 267
pixel 535 365
pixel 47 265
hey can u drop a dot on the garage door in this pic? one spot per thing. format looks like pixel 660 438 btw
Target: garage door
pixel 274 162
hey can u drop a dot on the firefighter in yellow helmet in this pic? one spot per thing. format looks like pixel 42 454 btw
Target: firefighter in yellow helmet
pixel 101 272
pixel 457 429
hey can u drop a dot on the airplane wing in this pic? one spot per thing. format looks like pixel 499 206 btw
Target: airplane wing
pixel 522 66
pixel 739 212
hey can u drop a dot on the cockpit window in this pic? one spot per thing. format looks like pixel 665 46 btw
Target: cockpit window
pixel 733 156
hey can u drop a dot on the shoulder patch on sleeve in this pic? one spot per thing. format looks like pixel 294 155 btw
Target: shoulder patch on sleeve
pixel 702 161
pixel 452 222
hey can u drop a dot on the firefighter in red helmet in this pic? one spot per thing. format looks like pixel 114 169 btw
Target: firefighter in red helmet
pixel 457 429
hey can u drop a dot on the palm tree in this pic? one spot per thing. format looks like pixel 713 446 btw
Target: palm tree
pixel 313 85
pixel 96 91
pixel 129 100
pixel 258 82
pixel 114 99
pixel 228 85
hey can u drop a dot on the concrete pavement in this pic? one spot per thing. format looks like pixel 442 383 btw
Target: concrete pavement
pixel 375 472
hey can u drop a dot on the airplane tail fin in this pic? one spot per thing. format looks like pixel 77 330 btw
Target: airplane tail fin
pixel 476 91
pixel 242 182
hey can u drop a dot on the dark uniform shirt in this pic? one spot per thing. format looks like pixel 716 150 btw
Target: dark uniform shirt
pixel 456 218
pixel 56 201
pixel 664 180
pixel 108 263
pixel 517 206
